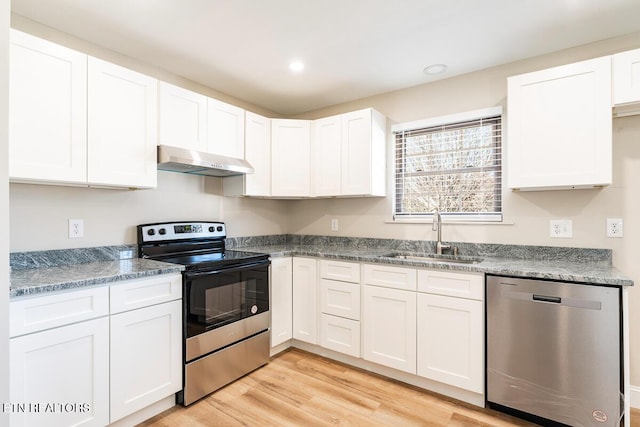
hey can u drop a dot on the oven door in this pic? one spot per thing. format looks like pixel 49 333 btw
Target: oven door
pixel 217 298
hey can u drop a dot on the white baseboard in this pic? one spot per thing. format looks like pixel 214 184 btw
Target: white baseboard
pixel 634 391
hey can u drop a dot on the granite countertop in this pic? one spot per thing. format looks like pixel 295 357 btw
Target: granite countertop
pixel 46 275
pixel 577 267
pixel 40 272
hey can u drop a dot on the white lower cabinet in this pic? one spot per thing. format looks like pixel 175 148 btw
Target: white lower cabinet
pixel 61 375
pixel 389 327
pixel 305 300
pixel 340 334
pixel 146 357
pixel 72 363
pixel 281 300
pixel 451 341
pixel 340 301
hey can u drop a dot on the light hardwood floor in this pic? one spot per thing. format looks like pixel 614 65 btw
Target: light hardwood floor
pixel 301 389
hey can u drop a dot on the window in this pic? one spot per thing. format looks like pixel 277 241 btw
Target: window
pixel 453 164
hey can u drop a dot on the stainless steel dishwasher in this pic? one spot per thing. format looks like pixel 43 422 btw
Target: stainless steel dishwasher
pixel 553 351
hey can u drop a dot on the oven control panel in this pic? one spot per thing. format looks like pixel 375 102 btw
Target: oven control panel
pixel 181 230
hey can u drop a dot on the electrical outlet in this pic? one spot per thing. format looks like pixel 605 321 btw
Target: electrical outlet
pixel 614 227
pixel 562 228
pixel 334 224
pixel 76 228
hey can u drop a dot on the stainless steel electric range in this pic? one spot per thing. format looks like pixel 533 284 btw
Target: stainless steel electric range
pixel 225 302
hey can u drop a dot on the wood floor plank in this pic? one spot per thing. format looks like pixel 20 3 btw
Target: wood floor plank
pixel 301 389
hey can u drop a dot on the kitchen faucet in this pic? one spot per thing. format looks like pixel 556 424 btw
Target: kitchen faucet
pixel 437 225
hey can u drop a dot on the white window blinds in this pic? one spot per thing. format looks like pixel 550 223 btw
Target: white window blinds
pixel 454 167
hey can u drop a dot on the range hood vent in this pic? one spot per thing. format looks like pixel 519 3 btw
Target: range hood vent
pixel 193 162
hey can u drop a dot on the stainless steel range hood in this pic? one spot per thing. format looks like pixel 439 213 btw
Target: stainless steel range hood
pixel 177 159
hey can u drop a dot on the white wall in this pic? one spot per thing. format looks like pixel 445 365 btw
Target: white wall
pixel 4 207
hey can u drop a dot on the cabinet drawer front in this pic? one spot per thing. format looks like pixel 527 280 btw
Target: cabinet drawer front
pixel 340 270
pixel 463 285
pixel 390 277
pixel 339 334
pixel 39 313
pixel 142 293
pixel 340 298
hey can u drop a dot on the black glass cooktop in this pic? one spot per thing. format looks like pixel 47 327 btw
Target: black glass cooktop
pixel 212 260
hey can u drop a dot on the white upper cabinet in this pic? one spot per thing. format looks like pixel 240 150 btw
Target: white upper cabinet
pixel 290 158
pixel 257 135
pixel 47 111
pixel 363 153
pixel 122 126
pixel 225 133
pixel 349 154
pixel 626 82
pixel 559 134
pixel 327 156
pixel 183 118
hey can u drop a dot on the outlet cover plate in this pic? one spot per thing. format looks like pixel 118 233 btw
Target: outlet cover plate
pixel 562 228
pixel 76 228
pixel 614 227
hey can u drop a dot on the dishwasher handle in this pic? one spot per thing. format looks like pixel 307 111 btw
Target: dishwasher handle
pixel 562 301
pixel 545 298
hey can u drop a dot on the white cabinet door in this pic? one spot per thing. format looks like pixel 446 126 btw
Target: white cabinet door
pixel 122 126
pixel 47 111
pixel 327 154
pixel 451 341
pixel 305 300
pixel 146 357
pixel 258 154
pixel 281 300
pixel 290 158
pixel 560 127
pixel 65 371
pixel 363 153
pixel 182 118
pixel 626 77
pixel 257 144
pixel 389 327
pixel 225 133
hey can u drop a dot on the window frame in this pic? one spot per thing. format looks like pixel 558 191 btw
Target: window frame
pixel 452 119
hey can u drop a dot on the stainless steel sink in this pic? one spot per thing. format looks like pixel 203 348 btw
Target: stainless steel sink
pixel 456 259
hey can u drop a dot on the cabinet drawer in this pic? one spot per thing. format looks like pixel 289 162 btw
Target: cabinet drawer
pixel 39 313
pixel 340 270
pixel 339 334
pixel 463 285
pixel 340 298
pixel 390 277
pixel 135 294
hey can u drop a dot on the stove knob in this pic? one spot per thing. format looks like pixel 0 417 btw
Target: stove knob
pixel 219 228
pixel 151 232
pixel 162 231
pixel 212 229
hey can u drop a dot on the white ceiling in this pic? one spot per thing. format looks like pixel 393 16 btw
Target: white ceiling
pixel 352 48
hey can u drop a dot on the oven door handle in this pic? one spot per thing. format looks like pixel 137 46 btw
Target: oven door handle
pixel 233 269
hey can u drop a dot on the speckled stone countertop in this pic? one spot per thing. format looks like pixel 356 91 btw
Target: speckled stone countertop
pixel 41 272
pixel 593 266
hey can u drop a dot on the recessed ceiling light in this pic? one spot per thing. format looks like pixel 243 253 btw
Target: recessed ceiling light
pixel 434 69
pixel 296 66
